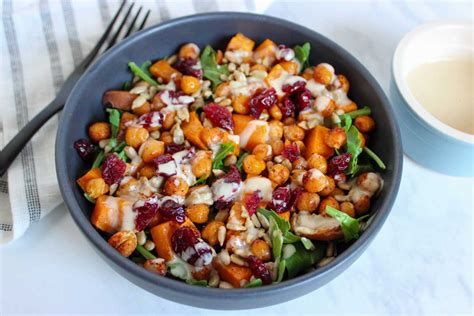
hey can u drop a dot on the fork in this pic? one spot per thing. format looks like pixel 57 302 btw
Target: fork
pixel 17 143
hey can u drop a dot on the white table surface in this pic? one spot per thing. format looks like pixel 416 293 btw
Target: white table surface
pixel 420 262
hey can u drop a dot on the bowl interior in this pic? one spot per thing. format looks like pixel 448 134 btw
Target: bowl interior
pixel 110 71
pixel 429 43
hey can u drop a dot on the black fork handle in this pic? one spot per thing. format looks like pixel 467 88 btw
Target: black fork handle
pixel 17 143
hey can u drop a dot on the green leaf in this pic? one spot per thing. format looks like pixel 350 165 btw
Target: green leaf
pixel 346 122
pixel 364 111
pixel 145 67
pixel 197 282
pixel 308 244
pixel 114 120
pixel 240 161
pixel 211 69
pixel 145 253
pixel 98 160
pixel 127 85
pixel 281 271
pixel 137 71
pixel 354 147
pixel 201 180
pixel 302 54
pixel 119 147
pixel 254 283
pixel 276 236
pixel 300 259
pixel 225 149
pixel 349 225
pixel 122 156
pixel 88 198
pixel 375 158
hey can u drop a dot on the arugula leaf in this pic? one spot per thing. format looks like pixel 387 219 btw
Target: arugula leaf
pixel 307 243
pixel 179 268
pixel 299 258
pixel 349 225
pixel 144 75
pixel 376 158
pixel 122 156
pixel 201 180
pixel 346 122
pixel 98 160
pixel 88 198
pixel 127 85
pixel 281 271
pixel 145 67
pixel 114 120
pixel 211 69
pixel 240 161
pixel 354 148
pixel 197 282
pixel 225 149
pixel 364 111
pixel 277 238
pixel 120 147
pixel 302 54
pixel 254 283
pixel 145 253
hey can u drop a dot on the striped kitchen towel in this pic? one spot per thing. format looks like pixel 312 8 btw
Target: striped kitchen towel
pixel 41 42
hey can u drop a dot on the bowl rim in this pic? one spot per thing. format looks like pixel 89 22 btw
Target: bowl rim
pixel 414 106
pixel 339 263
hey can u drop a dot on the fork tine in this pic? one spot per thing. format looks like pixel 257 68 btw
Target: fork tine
pixel 104 36
pixel 132 24
pixel 117 33
pixel 144 21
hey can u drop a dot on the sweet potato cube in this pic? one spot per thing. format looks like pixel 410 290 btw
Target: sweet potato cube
pixel 192 130
pixel 232 272
pixel 240 42
pixel 106 214
pixel 315 143
pixel 164 70
pixel 290 67
pixel 266 49
pixel 240 122
pixel 285 215
pixel 161 235
pixel 91 174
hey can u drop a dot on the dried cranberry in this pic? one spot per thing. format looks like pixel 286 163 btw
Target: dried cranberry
pixel 187 244
pixel 173 148
pixel 292 88
pixel 187 66
pixel 304 99
pixel 262 101
pixel 287 107
pixel 291 152
pixel 338 164
pixel 172 211
pixel 148 120
pixel 233 175
pixel 252 201
pixel 280 199
pixel 113 169
pixel 219 116
pixel 259 269
pixel 183 238
pixel 146 210
pixel 85 149
pixel 165 165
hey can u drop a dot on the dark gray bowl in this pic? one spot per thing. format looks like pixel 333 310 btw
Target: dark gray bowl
pixel 110 71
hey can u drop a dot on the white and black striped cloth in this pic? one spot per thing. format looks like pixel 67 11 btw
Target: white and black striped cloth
pixel 41 42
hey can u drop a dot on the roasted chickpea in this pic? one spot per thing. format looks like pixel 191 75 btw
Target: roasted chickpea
pixel 323 73
pixel 314 180
pixel 307 202
pixel 337 191
pixel 198 213
pixel 210 232
pixel 169 120
pixel 299 163
pixel 142 109
pixel 157 265
pixel 329 188
pixel 240 104
pixel 324 105
pixel 201 164
pixel 348 208
pixel 364 123
pixel 336 138
pixel 190 84
pixel 308 73
pixel 136 136
pixel 189 50
pixel 275 112
pixel 151 149
pixel 369 181
pixel 166 138
pixel 317 161
pixel 126 117
pixel 253 165
pixel 99 131
pixel 96 187
pixel 289 121
pixel 301 146
pixel 261 250
pixel 297 177
pixel 278 173
pixel 293 133
pixel 277 146
pixel 329 201
pixel 263 151
pixel 148 171
pixel 175 186
pixel 362 204
pixel 223 90
pixel 344 83
pixel 276 130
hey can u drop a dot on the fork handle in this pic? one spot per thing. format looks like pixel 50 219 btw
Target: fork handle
pixel 17 143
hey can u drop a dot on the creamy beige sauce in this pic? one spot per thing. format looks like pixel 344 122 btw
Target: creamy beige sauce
pixel 445 89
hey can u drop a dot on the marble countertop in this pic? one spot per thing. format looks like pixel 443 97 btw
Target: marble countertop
pixel 420 262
